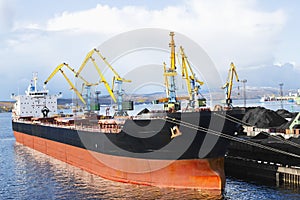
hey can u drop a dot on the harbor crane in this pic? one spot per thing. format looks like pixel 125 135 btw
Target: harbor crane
pixel 59 68
pixel 166 80
pixel 116 79
pixel 192 82
pixel 169 74
pixel 102 78
pixel 228 85
pixel 172 102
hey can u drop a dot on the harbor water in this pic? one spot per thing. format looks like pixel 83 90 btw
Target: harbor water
pixel 28 174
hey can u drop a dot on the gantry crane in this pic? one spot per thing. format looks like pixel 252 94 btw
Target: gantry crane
pixel 59 68
pixel 116 79
pixel 192 82
pixel 228 85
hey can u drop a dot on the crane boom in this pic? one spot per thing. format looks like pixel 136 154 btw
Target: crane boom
pixel 73 87
pixel 86 59
pixel 172 45
pixel 71 69
pixel 228 85
pixel 116 78
pixel 169 74
pixel 188 74
pixel 119 81
pixel 166 81
pixel 54 72
pixel 172 102
pixel 59 68
pixel 90 54
pixel 103 80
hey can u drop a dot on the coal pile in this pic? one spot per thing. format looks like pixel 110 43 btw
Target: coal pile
pixel 263 118
pixel 295 140
pixel 285 114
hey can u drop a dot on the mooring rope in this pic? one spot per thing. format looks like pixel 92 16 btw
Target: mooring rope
pixel 209 131
pixel 235 120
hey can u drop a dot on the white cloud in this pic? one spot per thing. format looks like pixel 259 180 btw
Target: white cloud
pixel 280 64
pixel 229 30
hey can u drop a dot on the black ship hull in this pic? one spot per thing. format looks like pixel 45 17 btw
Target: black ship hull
pixel 189 141
pixel 147 138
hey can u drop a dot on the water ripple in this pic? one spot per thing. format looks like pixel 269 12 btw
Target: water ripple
pixel 28 174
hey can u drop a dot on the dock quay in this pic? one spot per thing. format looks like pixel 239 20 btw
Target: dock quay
pixel 262 171
pixel 268 148
pixel 288 176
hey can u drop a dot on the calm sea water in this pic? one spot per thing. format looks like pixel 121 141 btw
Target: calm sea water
pixel 28 174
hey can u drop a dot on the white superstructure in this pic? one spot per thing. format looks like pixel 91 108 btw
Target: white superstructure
pixel 35 103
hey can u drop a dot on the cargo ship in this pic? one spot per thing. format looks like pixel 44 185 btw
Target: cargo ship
pixel 172 147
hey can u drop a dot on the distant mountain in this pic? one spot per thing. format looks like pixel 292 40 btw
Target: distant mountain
pixel 217 94
pixel 271 75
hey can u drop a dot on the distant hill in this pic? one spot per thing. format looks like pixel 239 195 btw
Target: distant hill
pixel 6 106
pixel 237 93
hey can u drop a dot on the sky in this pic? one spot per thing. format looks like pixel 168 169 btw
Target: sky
pixel 259 36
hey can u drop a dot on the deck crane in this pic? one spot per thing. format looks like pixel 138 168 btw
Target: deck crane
pixel 169 74
pixel 59 68
pixel 192 82
pixel 228 85
pixel 116 79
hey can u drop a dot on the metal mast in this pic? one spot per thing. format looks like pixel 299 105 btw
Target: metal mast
pixel 170 74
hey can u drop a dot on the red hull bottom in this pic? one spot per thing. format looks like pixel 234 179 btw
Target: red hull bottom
pixel 202 174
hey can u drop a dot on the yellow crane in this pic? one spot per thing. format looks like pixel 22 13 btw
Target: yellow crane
pixel 169 74
pixel 102 78
pixel 166 80
pixel 228 85
pixel 116 78
pixel 192 82
pixel 59 68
